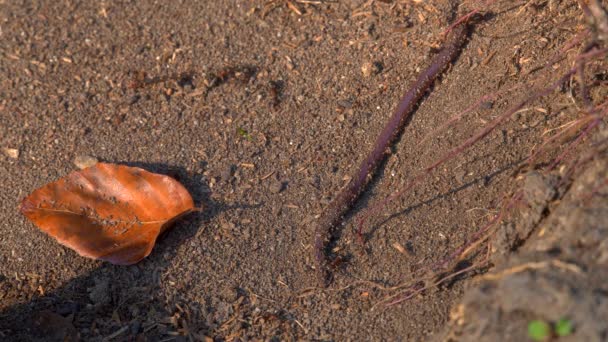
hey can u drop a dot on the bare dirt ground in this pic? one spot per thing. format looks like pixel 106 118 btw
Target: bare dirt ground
pixel 263 109
pixel 558 274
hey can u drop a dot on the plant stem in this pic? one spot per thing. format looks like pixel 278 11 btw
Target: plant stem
pixel 347 197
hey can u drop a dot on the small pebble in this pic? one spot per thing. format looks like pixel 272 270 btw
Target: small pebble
pixel 371 68
pixel 84 161
pixel 366 69
pixel 277 186
pixel 345 104
pixel 377 67
pixel 11 152
pixel 460 175
pixel 133 99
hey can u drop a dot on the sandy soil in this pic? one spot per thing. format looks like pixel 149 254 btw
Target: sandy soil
pixel 263 109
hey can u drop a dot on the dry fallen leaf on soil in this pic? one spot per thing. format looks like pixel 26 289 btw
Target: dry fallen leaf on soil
pixel 107 211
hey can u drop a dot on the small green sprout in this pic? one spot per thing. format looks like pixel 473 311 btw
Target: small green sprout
pixel 539 330
pixel 563 327
pixel 243 133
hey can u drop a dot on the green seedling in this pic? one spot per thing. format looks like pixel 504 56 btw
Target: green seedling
pixel 563 327
pixel 539 330
pixel 243 133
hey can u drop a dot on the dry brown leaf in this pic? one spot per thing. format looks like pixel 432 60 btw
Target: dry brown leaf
pixel 107 211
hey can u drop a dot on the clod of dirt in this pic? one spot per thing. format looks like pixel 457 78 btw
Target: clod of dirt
pixel 539 191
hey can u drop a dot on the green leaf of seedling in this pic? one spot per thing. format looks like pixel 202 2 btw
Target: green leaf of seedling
pixel 563 327
pixel 243 133
pixel 539 330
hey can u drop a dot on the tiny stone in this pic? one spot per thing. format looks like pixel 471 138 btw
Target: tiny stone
pixel 84 161
pixel 367 68
pixel 377 67
pixel 11 152
pixel 133 99
pixel 460 176
pixel 277 187
pixel 345 104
